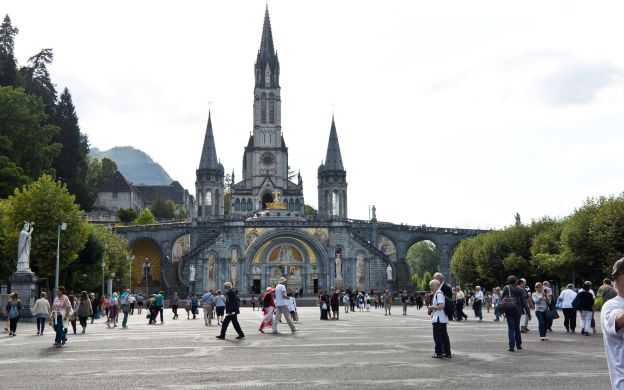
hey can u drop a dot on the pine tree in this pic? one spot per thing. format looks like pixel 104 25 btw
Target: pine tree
pixel 8 67
pixel 71 164
pixel 37 81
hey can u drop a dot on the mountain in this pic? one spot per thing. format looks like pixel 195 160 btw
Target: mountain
pixel 136 165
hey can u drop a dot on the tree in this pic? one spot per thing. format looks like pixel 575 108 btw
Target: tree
pixel 11 177
pixel 145 218
pixel 47 203
pixel 8 67
pixel 24 138
pixel 423 256
pixel 127 215
pixel 109 167
pixel 71 163
pixel 37 81
pixel 162 209
pixel 102 244
pixel 309 210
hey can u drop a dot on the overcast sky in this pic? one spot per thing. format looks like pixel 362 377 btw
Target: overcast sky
pixel 454 113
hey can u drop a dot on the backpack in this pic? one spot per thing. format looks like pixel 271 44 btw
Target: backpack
pixel 449 307
pixel 14 311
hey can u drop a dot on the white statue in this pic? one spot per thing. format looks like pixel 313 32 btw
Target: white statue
pixel 338 265
pixel 374 213
pixel 234 267
pixel 191 273
pixel 23 248
pixel 389 272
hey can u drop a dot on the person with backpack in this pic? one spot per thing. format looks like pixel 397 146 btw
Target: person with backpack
pixel 42 312
pixel 14 312
pixel 447 290
pixel 439 321
pixel 513 304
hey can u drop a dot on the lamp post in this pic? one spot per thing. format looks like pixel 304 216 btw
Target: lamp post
pixel 147 267
pixel 130 260
pixel 103 264
pixel 62 226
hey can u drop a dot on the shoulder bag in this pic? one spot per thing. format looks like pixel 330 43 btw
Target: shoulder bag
pixel 509 304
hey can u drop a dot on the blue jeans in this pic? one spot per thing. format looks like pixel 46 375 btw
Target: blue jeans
pixel 541 319
pixel 513 329
pixel 40 324
pixel 478 310
pixel 125 319
pixel 60 331
pixel 496 312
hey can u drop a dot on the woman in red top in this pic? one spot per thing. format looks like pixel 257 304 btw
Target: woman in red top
pixel 268 308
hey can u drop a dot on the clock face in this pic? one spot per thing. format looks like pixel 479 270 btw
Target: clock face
pixel 267 159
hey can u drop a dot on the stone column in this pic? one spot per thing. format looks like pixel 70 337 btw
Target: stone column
pixel 24 283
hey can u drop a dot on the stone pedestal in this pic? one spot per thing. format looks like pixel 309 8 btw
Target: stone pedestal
pixel 392 286
pixel 24 283
pixel 338 283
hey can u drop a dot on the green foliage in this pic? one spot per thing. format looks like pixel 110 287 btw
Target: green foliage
pixel 7 35
pixel 47 203
pixel 99 171
pixel 584 246
pixel 109 167
pixel 37 82
pixel 8 68
pixel 145 218
pixel 423 256
pixel 11 177
pixel 162 209
pixel 24 138
pixel 71 164
pixel 309 210
pixel 425 281
pixel 127 215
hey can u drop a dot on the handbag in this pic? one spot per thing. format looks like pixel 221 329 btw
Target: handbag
pixel 509 304
pixel 551 313
pixel 324 306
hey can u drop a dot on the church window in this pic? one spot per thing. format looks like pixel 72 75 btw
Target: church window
pixel 272 108
pixel 237 205
pixel 263 111
pixel 335 204
pixel 208 199
pixel 249 205
pixel 291 205
pixel 297 205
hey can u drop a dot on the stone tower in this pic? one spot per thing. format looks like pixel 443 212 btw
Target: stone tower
pixel 332 180
pixel 265 160
pixel 209 178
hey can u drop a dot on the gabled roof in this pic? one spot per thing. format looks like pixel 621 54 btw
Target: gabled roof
pixel 116 183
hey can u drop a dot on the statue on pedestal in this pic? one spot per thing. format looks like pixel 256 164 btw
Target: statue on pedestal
pixel 191 273
pixel 338 266
pixel 389 272
pixel 23 248
pixel 374 213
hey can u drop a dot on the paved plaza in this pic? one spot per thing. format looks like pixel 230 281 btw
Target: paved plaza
pixel 361 350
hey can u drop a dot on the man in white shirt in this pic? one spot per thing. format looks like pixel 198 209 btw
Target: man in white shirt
pixel 281 306
pixel 612 318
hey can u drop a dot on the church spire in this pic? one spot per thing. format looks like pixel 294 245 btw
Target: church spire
pixel 333 159
pixel 209 152
pixel 267 64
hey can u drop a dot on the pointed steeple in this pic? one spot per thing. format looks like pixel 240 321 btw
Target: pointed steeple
pixel 267 62
pixel 333 159
pixel 209 152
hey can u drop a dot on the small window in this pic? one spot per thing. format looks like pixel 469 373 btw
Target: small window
pixel 115 194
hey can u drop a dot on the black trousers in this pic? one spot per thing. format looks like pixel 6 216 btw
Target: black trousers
pixel 13 324
pixel 441 339
pixel 174 309
pixel 83 321
pixel 226 321
pixel 569 319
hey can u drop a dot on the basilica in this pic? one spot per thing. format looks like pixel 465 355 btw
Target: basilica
pixel 265 234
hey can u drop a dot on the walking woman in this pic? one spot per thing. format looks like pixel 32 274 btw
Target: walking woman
pixel 541 300
pixel 569 313
pixel 268 308
pixel 112 310
pixel 14 312
pixel 513 310
pixel 94 307
pixel 346 301
pixel 42 312
pixel 174 305
pixel 323 303
pixel 439 319
pixel 61 308
pixel 84 310
pixel 387 302
pixel 220 306
pixel 586 300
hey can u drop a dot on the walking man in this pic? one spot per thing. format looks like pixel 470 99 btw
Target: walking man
pixel 459 304
pixel 125 307
pixel 281 305
pixel 232 309
pixel 207 302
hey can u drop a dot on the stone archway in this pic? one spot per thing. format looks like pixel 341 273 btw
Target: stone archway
pixel 294 254
pixel 145 248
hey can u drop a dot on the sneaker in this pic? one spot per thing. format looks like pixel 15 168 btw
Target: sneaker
pixel 242 336
pixel 108 324
pixel 519 348
pixel 220 337
pixel 295 330
pixel 449 356
pixel 38 333
pixel 437 356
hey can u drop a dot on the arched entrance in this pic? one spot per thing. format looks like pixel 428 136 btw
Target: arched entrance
pixel 423 260
pixel 266 198
pixel 145 249
pixel 297 256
